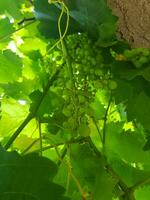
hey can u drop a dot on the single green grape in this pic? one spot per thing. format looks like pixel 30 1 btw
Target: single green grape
pixel 112 85
pixel 67 112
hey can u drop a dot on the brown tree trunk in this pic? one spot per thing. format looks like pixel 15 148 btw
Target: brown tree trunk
pixel 134 21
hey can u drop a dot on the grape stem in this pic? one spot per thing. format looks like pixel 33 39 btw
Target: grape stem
pixel 105 120
pixel 140 184
pixel 96 125
pixel 72 141
pixel 40 135
pixel 68 167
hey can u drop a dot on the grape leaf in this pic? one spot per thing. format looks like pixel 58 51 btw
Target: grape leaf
pixel 120 144
pixel 19 90
pixel 13 114
pixel 139 108
pixel 129 174
pixel 6 28
pixel 10 66
pixel 11 7
pixel 94 16
pixel 104 186
pixel 28 177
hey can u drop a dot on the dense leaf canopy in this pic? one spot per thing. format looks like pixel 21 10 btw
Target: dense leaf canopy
pixel 74 104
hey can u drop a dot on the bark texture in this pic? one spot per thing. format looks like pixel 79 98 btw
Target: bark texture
pixel 134 21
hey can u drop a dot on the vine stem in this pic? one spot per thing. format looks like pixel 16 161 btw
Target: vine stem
pixel 32 114
pixel 126 191
pixel 75 141
pixel 30 146
pixel 40 136
pixel 140 184
pixel 105 120
pixel 69 169
pixel 96 125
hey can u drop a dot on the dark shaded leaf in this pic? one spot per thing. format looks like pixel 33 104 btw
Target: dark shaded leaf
pixel 28 178
pixel 48 16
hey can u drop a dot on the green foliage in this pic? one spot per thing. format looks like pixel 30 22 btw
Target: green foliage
pixel 6 29
pixel 28 177
pixel 48 16
pixel 92 17
pixel 7 71
pixel 11 8
pixel 81 102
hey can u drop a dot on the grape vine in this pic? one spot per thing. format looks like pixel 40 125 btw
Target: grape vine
pixel 74 104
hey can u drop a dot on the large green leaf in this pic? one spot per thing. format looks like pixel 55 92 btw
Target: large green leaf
pixel 11 7
pixel 120 144
pixel 129 174
pixel 104 186
pixel 139 108
pixel 28 178
pixel 95 18
pixel 6 29
pixel 13 113
pixel 10 66
pixel 20 89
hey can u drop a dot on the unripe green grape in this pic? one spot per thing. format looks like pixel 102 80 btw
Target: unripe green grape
pixel 112 84
pixel 98 72
pixel 71 122
pixel 65 124
pixel 67 112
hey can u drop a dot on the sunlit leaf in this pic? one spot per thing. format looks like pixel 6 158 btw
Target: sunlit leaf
pixel 10 66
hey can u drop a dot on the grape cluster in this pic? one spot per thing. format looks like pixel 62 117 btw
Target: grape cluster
pixel 88 63
pixel 138 56
pixel 90 74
